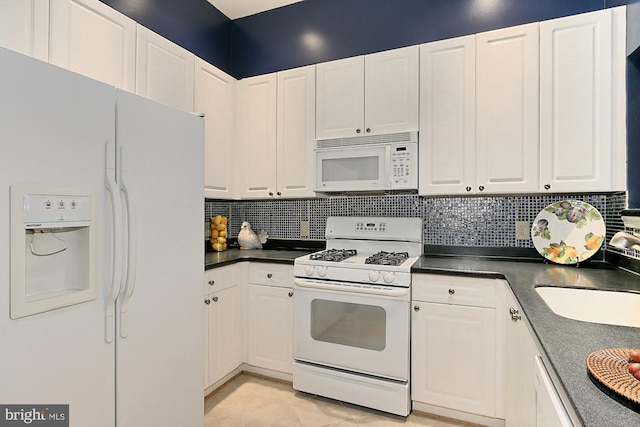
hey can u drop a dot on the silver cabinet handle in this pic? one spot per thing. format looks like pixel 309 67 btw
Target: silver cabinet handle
pixel 215 299
pixel 212 282
pixel 207 301
pixel 515 314
pixel 452 291
pixel 269 275
pixel 290 294
pixel 416 308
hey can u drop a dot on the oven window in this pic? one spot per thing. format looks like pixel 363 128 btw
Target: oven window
pixel 350 169
pixel 353 325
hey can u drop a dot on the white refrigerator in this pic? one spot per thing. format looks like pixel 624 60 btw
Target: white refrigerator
pixel 131 354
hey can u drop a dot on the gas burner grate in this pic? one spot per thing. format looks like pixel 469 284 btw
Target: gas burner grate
pixel 387 258
pixel 334 255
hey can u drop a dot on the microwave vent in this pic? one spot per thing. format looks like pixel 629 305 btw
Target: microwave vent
pixel 357 141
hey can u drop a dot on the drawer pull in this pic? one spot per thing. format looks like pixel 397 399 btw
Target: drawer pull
pixel 207 301
pixel 416 308
pixel 212 282
pixel 290 294
pixel 269 275
pixel 215 299
pixel 515 314
pixel 452 291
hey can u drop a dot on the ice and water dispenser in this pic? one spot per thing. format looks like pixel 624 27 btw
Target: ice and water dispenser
pixel 53 249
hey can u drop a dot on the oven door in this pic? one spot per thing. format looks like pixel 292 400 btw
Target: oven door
pixel 352 169
pixel 361 332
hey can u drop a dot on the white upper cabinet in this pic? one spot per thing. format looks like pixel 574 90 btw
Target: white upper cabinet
pixel 507 110
pixel 296 132
pixel 579 132
pixel 277 125
pixel 368 95
pixel 447 116
pixel 257 162
pixel 90 38
pixel 24 27
pixel 214 96
pixel 340 98
pixel 165 71
pixel 391 91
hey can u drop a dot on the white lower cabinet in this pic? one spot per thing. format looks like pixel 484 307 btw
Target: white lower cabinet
pixel 531 397
pixel 223 321
pixel 270 317
pixel 457 347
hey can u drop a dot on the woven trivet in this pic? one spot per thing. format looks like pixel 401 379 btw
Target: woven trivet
pixel 610 366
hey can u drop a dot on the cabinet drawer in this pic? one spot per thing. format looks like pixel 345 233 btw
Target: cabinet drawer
pixel 220 278
pixel 475 292
pixel 271 274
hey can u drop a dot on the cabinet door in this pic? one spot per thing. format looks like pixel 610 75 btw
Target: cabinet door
pixel 507 110
pixel 225 332
pixel 165 71
pixel 214 96
pixel 257 163
pixel 90 38
pixel 391 91
pixel 340 98
pixel 447 116
pixel 440 332
pixel 24 27
pixel 296 117
pixel 270 328
pixel 520 368
pixel 550 411
pixel 576 102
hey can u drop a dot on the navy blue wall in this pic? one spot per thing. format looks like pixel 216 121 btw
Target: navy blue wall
pixel 193 24
pixel 314 31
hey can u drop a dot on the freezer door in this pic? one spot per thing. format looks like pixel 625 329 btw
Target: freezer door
pixel 54 125
pixel 159 329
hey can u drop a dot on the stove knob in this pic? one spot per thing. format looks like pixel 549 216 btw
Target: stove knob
pixel 309 269
pixel 322 271
pixel 388 276
pixel 374 276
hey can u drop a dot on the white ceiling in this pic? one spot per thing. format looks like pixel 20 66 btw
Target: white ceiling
pixel 235 9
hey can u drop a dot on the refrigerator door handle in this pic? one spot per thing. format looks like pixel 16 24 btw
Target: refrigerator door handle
pixel 116 267
pixel 132 246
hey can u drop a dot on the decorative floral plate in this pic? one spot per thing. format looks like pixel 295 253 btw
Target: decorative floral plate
pixel 568 231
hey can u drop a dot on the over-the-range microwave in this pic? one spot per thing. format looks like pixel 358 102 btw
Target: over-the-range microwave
pixel 367 163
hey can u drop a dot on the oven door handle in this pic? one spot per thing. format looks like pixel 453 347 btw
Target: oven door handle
pixel 387 292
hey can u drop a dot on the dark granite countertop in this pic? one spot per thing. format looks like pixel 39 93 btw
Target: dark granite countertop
pixel 218 259
pixel 566 342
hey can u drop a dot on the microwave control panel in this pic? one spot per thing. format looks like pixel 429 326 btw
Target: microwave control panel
pixel 404 166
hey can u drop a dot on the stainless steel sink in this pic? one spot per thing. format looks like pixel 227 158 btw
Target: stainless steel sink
pixel 591 305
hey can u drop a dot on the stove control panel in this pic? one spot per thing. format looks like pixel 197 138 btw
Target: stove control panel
pixel 371 226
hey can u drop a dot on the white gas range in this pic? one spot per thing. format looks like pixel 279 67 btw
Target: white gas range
pixel 352 312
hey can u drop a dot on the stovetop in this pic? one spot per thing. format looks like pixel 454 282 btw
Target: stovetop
pixel 365 250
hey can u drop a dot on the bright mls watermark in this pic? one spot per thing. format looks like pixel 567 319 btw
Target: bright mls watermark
pixel 34 415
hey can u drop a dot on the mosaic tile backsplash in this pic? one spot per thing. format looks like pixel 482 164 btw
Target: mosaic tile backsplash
pixel 452 221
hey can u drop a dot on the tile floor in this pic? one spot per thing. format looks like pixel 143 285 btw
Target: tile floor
pixel 252 401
